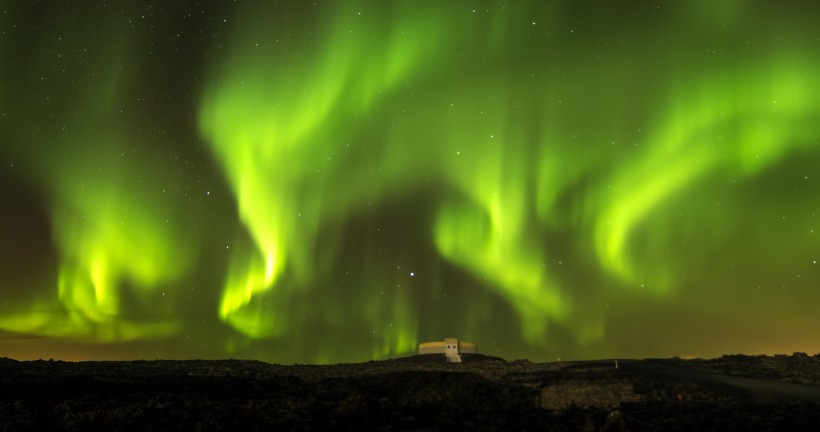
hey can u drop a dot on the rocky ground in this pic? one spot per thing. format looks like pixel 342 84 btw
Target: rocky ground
pixel 798 368
pixel 415 393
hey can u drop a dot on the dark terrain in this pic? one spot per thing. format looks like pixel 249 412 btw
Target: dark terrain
pixel 421 392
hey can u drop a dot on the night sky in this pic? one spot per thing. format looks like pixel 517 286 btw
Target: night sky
pixel 337 181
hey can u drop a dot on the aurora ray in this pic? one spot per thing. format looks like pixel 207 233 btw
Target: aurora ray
pixel 338 181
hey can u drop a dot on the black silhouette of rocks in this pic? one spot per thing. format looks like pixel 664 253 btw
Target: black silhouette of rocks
pixel 798 368
pixel 414 393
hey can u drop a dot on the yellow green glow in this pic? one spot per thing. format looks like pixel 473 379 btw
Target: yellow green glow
pixel 275 128
pixel 338 181
pixel 115 231
pixel 703 134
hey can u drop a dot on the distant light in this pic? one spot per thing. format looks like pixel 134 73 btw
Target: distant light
pixel 412 274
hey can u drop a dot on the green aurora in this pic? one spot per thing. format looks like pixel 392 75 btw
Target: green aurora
pixel 340 180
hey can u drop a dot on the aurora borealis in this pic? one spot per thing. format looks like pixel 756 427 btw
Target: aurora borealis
pixel 335 181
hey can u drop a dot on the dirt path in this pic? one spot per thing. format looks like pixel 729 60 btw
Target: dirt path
pixel 763 391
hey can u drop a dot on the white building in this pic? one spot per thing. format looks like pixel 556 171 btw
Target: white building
pixel 452 349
